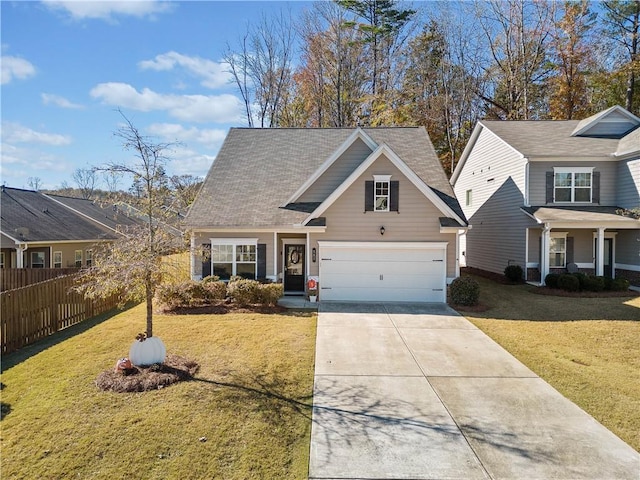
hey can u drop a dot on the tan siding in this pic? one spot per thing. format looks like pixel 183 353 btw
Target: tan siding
pixel 628 247
pixel 416 221
pixel 537 179
pixel 337 172
pixel 629 184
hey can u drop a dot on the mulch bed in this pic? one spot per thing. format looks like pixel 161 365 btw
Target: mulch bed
pixel 222 308
pixel 153 377
pixel 481 307
pixel 556 292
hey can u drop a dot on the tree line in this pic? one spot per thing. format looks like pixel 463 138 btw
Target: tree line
pixel 442 65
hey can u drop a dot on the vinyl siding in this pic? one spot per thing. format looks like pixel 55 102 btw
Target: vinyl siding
pixel 629 184
pixel 628 247
pixel 416 221
pixel 537 179
pixel 263 237
pixel 337 172
pixel 496 175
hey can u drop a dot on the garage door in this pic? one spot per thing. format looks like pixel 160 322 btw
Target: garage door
pixel 375 271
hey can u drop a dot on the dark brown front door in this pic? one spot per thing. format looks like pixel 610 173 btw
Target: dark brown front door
pixel 294 268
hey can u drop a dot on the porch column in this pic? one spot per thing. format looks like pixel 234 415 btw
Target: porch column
pixel 275 256
pixel 307 263
pixel 544 254
pixel 192 255
pixel 600 253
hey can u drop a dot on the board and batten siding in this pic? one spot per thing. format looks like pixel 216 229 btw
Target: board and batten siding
pixel 416 221
pixel 337 172
pixel 538 174
pixel 495 173
pixel 628 183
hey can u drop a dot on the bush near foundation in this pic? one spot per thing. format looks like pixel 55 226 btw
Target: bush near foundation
pixel 569 282
pixel 464 291
pixel 514 273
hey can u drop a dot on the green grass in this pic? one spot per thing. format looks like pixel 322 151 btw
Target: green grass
pixel 251 400
pixel 586 348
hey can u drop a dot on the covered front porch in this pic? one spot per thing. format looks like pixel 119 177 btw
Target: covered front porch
pixel 601 241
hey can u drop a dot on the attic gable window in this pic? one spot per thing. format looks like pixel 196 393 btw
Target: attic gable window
pixel 381 194
pixel 572 184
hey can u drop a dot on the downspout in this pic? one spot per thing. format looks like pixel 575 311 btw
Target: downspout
pixel 544 260
pixel 193 256
pixel 22 247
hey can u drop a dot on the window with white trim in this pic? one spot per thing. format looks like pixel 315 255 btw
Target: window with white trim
pixel 558 250
pixel 37 259
pixel 381 192
pixel 57 259
pixel 78 258
pixel 88 258
pixel 231 257
pixel 469 198
pixel 1 259
pixel 572 184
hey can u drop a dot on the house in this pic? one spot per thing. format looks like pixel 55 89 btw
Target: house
pixel 553 195
pixel 366 212
pixel 37 231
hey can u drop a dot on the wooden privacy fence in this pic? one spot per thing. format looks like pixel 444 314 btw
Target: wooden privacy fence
pixel 34 312
pixel 11 278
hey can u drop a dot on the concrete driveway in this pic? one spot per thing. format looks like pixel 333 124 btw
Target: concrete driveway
pixel 408 391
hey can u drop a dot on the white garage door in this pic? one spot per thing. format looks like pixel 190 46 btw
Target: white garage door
pixel 376 271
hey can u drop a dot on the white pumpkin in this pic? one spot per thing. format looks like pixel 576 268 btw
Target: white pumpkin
pixel 147 352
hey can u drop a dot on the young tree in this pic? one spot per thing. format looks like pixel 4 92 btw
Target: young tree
pixel 35 183
pixel 85 179
pixel 131 267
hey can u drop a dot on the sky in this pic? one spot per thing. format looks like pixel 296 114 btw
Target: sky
pixel 68 66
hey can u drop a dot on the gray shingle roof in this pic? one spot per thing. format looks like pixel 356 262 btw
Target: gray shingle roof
pixel 629 143
pixel 258 170
pixel 108 215
pixel 39 218
pixel 550 138
pixel 581 214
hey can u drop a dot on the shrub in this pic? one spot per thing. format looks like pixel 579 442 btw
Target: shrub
pixel 593 284
pixel 551 280
pixel 270 293
pixel 191 293
pixel 608 283
pixel 582 279
pixel 244 291
pixel 216 291
pixel 620 285
pixel 465 291
pixel 211 278
pixel 513 273
pixel 569 282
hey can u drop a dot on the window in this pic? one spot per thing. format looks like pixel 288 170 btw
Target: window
pixel 37 259
pixel 89 257
pixel 234 257
pixel 469 197
pixel 57 259
pixel 558 251
pixel 1 259
pixel 381 192
pixel 572 185
pixel 78 258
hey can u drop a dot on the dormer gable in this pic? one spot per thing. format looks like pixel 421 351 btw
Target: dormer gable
pixel 335 169
pixel 614 122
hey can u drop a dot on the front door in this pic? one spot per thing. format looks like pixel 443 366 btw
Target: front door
pixel 294 262
pixel 608 256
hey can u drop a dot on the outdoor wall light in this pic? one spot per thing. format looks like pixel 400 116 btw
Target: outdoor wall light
pixel 382 230
pixel 313 255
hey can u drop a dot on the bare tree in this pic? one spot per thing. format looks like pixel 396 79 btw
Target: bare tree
pixel 261 67
pixel 35 183
pixel 131 267
pixel 112 180
pixel 85 179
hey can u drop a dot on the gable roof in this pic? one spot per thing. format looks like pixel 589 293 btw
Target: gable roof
pixel 30 216
pixel 110 216
pixel 389 154
pixel 257 171
pixel 623 121
pixel 629 144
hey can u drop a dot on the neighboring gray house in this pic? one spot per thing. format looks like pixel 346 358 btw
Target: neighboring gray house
pixel 367 211
pixel 546 194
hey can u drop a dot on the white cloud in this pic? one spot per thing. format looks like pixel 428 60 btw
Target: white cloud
pixel 224 108
pixel 16 161
pixel 211 138
pixel 16 133
pixel 16 68
pixel 189 162
pixel 57 100
pixel 108 9
pixel 213 74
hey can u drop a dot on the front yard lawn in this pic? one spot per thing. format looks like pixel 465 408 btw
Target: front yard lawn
pixel 586 348
pixel 246 415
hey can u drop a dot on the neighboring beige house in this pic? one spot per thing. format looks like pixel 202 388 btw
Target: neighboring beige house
pixel 50 231
pixel 368 212
pixel 553 195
